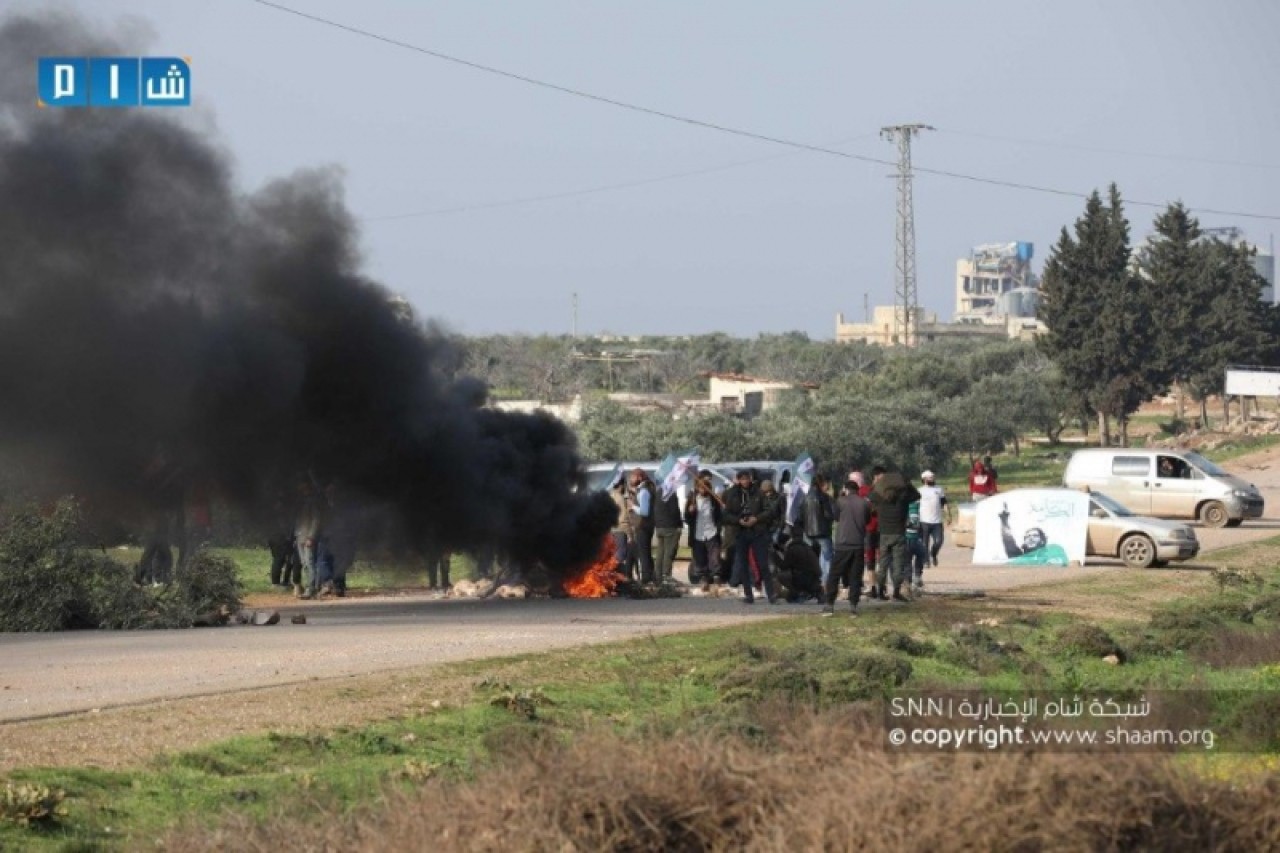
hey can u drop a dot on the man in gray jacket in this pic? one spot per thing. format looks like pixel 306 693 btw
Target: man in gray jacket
pixel 852 514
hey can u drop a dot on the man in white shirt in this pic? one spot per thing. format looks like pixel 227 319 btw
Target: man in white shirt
pixel 933 505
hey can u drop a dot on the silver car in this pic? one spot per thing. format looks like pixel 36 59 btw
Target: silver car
pixel 1114 531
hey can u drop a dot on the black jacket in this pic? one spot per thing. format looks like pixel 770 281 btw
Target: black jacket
pixel 740 503
pixel 666 511
pixel 818 514
pixel 891 497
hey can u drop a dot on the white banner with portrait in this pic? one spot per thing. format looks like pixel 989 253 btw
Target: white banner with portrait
pixel 1032 527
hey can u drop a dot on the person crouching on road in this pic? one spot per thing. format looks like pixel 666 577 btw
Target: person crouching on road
pixel 702 512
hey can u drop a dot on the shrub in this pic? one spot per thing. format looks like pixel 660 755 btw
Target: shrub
pixel 1255 722
pixel 898 641
pixel 814 675
pixel 974 648
pixel 49 583
pixel 43 574
pixel 26 804
pixel 1087 639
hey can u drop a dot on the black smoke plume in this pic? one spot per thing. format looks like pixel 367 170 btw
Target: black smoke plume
pixel 160 331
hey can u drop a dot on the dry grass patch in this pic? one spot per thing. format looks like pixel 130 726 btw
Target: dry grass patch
pixel 812 782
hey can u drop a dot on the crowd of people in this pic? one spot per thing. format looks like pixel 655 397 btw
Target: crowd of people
pixel 876 534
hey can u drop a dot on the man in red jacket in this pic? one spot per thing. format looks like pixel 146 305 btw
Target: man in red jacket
pixel 982 481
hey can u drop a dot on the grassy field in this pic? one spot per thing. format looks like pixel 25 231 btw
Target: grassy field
pixel 1174 630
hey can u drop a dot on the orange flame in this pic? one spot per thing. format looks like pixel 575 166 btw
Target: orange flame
pixel 599 578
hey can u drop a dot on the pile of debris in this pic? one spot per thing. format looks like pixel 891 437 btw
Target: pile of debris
pixel 1213 438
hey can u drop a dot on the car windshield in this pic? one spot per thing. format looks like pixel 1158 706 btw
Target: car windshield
pixel 1110 505
pixel 1206 466
pixel 598 480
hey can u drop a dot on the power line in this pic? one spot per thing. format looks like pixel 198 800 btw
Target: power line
pixel 1044 143
pixel 746 134
pixel 515 202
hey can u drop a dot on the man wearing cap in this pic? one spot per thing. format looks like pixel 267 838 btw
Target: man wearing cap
pixel 934 507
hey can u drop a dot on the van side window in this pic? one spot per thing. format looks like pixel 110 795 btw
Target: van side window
pixel 1172 468
pixel 1131 466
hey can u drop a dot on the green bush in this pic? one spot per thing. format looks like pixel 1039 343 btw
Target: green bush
pixel 899 641
pixel 1087 639
pixel 814 675
pixel 42 572
pixel 48 582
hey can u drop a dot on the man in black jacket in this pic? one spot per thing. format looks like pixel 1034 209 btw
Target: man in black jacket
pixel 891 496
pixel 755 519
pixel 819 513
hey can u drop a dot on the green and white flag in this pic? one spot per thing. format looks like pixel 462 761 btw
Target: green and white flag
pixel 676 470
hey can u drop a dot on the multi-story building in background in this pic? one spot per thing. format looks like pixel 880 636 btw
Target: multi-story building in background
pixel 997 295
pixel 996 282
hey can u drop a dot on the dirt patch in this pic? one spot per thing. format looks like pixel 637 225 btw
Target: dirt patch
pixel 132 737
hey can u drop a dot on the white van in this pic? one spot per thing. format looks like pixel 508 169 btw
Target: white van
pixel 1165 484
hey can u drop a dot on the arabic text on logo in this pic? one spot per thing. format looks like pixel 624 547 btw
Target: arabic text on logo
pixel 114 81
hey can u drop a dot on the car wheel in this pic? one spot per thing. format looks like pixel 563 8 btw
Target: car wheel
pixel 1214 514
pixel 1234 522
pixel 1138 552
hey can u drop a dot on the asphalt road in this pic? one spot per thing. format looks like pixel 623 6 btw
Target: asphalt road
pixel 44 675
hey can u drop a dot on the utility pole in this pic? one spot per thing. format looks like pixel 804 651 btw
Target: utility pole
pixel 906 301
pixel 575 316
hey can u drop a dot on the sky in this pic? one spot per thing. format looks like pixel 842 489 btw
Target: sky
pixel 1171 100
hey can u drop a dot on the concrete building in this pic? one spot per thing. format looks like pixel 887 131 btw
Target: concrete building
pixel 736 394
pixel 995 282
pixel 880 330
